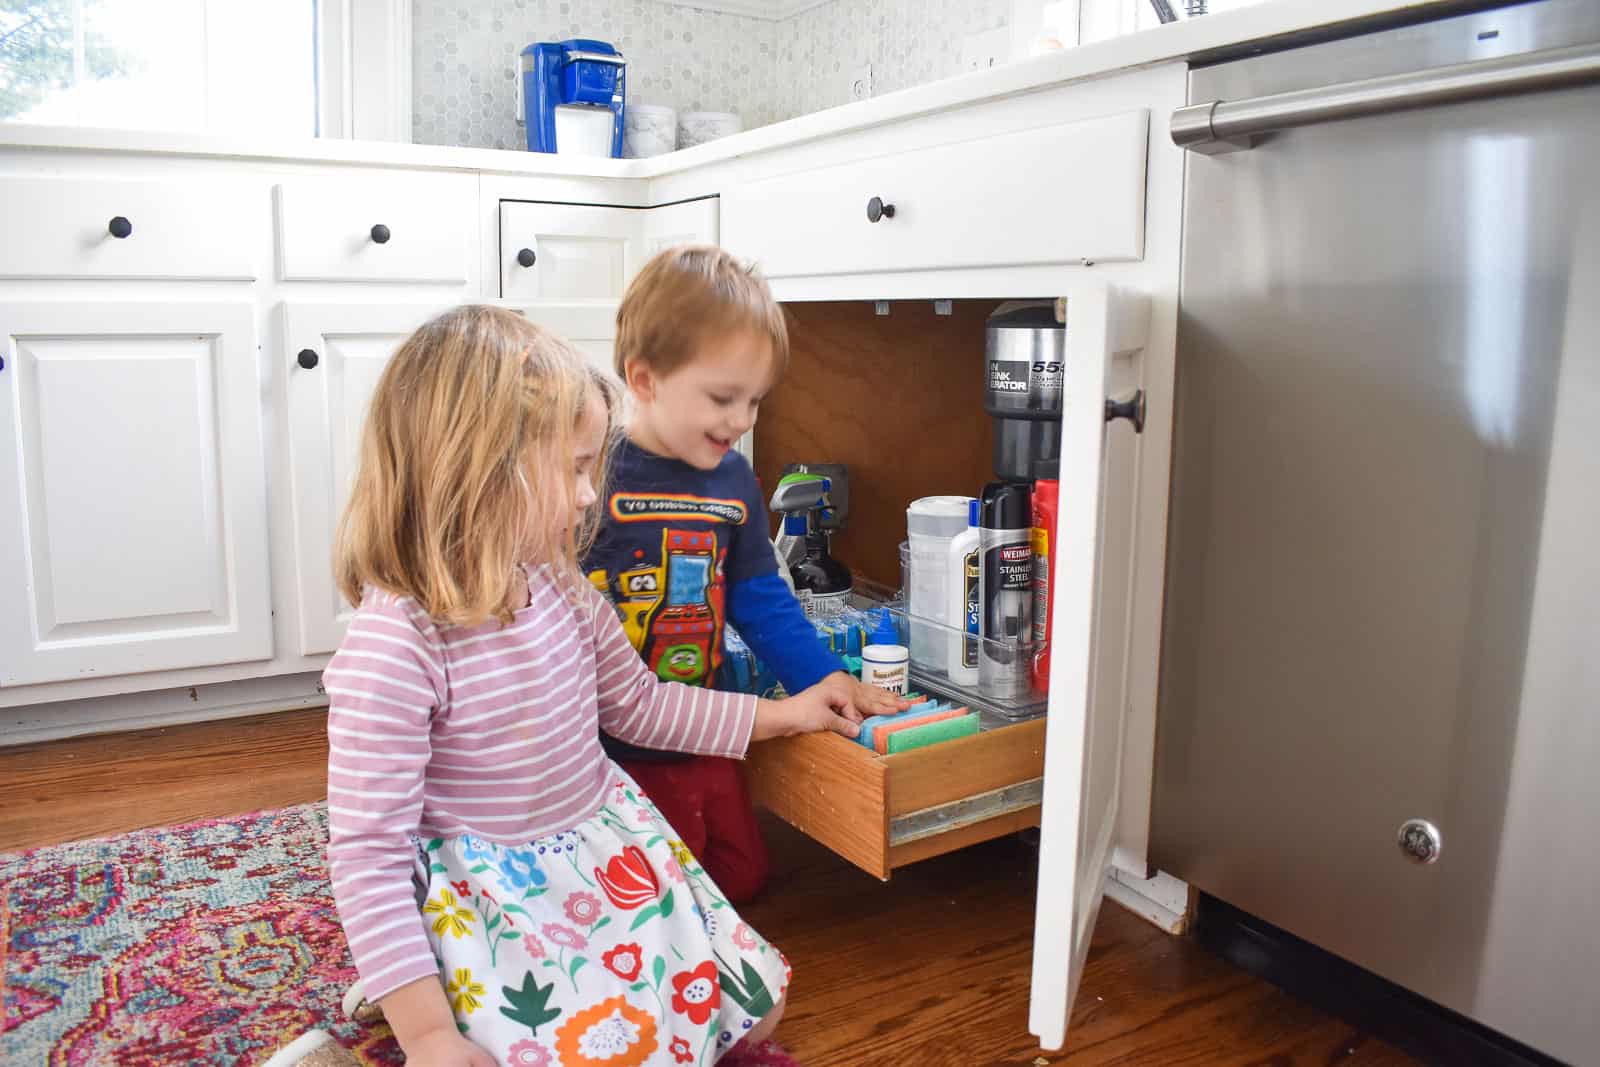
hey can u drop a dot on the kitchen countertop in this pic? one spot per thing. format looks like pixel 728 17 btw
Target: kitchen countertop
pixel 1238 31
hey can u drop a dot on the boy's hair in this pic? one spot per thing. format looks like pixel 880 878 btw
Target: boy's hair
pixel 467 452
pixel 686 294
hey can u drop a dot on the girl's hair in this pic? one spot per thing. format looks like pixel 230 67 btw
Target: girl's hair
pixel 467 455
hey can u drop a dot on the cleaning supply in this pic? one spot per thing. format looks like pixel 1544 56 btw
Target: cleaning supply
pixel 870 726
pixel 881 736
pixel 1046 499
pixel 931 523
pixel 795 498
pixel 932 733
pixel 885 662
pixel 963 612
pixel 1005 577
pixel 821 583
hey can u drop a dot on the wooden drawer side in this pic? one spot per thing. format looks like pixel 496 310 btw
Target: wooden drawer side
pixel 828 788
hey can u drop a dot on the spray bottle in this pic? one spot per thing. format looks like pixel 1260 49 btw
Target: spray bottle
pixel 794 499
pixel 821 583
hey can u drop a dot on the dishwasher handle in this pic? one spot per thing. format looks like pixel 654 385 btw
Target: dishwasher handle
pixel 1219 126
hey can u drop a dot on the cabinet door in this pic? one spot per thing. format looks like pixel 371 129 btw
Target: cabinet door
pixel 570 252
pixel 1106 330
pixel 564 252
pixel 693 222
pixel 591 327
pixel 347 346
pixel 133 532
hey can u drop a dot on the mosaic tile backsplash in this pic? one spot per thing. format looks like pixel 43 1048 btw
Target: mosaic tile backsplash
pixel 465 53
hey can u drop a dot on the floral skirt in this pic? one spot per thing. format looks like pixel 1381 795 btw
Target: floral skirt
pixel 602 946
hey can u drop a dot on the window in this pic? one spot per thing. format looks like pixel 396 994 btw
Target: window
pixel 243 67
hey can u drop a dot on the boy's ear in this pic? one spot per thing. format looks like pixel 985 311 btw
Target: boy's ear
pixel 640 380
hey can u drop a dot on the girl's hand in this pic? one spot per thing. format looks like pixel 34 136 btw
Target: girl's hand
pixel 446 1048
pixel 858 699
pixel 420 1017
pixel 818 708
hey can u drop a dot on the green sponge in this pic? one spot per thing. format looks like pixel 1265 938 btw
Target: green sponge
pixel 931 734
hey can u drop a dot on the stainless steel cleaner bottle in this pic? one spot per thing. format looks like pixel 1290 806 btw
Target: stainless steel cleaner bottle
pixel 964 613
pixel 1005 543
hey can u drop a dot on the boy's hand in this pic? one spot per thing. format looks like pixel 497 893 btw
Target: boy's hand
pixel 816 709
pixel 857 700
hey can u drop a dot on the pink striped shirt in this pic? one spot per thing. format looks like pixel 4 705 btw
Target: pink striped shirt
pixel 492 731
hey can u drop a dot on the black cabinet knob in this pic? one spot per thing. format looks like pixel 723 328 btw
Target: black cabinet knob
pixel 526 257
pixel 877 209
pixel 307 358
pixel 120 227
pixel 380 234
pixel 1131 409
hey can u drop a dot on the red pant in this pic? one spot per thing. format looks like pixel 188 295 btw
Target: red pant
pixel 705 800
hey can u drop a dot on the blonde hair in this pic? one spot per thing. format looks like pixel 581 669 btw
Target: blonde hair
pixel 466 454
pixel 687 293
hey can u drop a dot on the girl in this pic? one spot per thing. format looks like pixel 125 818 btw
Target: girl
pixel 509 894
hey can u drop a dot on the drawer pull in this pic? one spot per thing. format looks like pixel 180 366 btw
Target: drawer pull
pixel 380 234
pixel 526 257
pixel 120 227
pixel 307 358
pixel 877 209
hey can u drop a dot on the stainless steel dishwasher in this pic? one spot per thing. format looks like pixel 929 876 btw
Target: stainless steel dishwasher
pixel 1380 703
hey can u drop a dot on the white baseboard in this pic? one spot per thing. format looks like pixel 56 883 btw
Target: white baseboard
pixel 1162 900
pixel 165 707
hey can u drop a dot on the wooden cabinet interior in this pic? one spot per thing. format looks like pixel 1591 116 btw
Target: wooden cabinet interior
pixel 898 398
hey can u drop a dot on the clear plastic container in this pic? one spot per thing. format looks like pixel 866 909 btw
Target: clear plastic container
pixel 933 679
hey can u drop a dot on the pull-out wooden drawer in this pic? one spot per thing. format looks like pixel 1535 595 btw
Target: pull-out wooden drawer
pixel 883 812
pixel 1060 194
pixel 104 228
pixel 383 228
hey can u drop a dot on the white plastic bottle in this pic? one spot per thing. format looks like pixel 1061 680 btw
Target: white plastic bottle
pixel 964 610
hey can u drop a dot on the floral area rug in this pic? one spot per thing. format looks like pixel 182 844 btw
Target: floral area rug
pixel 209 943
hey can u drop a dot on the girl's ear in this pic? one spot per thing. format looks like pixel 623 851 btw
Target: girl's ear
pixel 641 381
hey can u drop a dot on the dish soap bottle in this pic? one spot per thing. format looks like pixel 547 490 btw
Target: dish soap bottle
pixel 822 583
pixel 885 662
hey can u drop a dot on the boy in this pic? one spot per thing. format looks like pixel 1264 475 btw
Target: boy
pixel 683 544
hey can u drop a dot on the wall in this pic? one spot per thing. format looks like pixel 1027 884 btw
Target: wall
pixel 464 53
pixel 907 42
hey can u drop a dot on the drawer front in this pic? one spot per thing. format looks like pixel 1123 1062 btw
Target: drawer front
pixel 388 229
pixel 567 252
pixel 69 228
pixel 1062 194
pixel 883 812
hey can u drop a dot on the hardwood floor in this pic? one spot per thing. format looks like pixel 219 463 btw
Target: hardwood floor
pixel 928 970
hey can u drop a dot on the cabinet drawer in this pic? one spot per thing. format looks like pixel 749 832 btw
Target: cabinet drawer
pixel 391 229
pixel 1061 194
pixel 883 812
pixel 56 228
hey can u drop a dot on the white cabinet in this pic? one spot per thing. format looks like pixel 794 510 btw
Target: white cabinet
pixel 384 228
pixel 333 356
pixel 590 326
pixel 109 228
pixel 691 222
pixel 576 252
pixel 1091 651
pixel 1068 193
pixel 133 533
